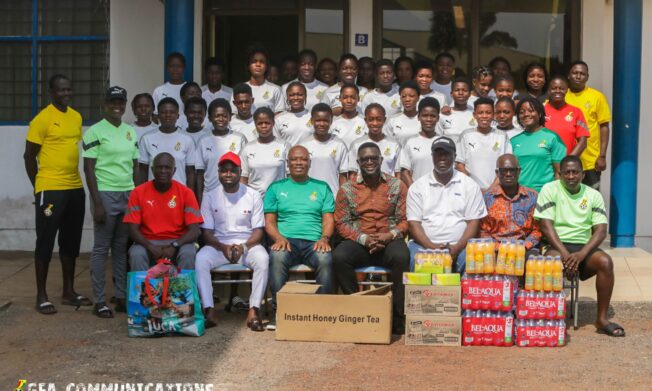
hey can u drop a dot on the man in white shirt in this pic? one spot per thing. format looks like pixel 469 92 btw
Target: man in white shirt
pixel 233 231
pixel 212 146
pixel 314 88
pixel 328 154
pixel 167 138
pixel 243 120
pixel 386 92
pixel 444 208
pixel 479 148
pixel 461 115
pixel 350 124
pixel 214 89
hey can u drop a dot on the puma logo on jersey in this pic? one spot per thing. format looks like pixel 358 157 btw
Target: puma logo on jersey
pixel 155 145
pixel 150 203
pixel 472 145
pixel 398 126
pixel 283 194
pixel 210 149
pixel 251 155
pixel 418 149
pixel 56 124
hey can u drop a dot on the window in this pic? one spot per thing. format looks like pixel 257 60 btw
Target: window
pixel 475 31
pixel 40 38
pixel 324 27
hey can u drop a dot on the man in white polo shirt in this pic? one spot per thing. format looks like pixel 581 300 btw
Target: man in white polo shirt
pixel 444 208
pixel 233 230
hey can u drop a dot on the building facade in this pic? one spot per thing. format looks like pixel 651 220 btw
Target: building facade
pixel 101 42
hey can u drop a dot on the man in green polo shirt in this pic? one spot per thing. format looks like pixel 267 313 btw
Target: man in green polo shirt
pixel 110 153
pixel 299 221
pixel 574 221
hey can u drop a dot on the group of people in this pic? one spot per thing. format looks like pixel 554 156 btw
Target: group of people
pixel 338 175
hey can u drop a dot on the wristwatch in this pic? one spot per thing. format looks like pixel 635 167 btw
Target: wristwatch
pixel 175 244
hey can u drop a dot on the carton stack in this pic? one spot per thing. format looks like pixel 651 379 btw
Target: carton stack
pixel 432 301
pixel 541 307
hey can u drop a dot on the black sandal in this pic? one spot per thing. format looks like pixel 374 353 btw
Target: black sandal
pixel 256 324
pixel 101 310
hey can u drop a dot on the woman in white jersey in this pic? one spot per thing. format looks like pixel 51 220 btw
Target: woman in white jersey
pixel 295 124
pixel 265 94
pixel 143 107
pixel 416 155
pixel 405 124
pixel 175 66
pixel 264 160
pixel 350 124
pixel 423 77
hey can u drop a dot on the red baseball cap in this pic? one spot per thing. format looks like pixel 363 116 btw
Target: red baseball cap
pixel 230 157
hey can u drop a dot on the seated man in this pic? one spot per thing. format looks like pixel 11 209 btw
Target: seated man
pixel 232 230
pixel 299 221
pixel 370 217
pixel 574 222
pixel 510 208
pixel 163 218
pixel 444 208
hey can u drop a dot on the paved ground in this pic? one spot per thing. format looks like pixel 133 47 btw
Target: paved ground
pixel 76 347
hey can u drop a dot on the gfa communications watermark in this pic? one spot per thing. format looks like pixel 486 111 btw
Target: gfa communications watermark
pixel 23 385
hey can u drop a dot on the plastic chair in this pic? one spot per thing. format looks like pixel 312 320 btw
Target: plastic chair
pixel 229 274
pixel 573 284
pixel 371 275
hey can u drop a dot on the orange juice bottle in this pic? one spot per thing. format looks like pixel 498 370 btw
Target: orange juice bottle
pixel 502 254
pixel 547 274
pixel 470 256
pixel 489 255
pixel 557 275
pixel 529 274
pixel 511 256
pixel 538 273
pixel 448 261
pixel 478 254
pixel 519 263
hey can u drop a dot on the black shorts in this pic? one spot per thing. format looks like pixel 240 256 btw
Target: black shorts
pixel 573 248
pixel 592 179
pixel 62 212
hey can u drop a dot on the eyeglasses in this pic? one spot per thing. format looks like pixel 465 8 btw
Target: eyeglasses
pixel 365 159
pixel 510 170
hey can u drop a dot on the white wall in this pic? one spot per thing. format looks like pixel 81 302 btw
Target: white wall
pixel 361 22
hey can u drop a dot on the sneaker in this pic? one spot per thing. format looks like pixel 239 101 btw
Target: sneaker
pixel 271 325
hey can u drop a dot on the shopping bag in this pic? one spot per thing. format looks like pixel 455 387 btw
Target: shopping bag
pixel 163 306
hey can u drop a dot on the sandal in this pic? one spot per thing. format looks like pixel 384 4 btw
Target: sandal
pixel 46 308
pixel 77 301
pixel 101 310
pixel 611 329
pixel 256 324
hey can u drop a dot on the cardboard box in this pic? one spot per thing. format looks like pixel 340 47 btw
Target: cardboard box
pixel 363 317
pixel 433 330
pixel 417 278
pixel 432 300
pixel 429 265
pixel 447 279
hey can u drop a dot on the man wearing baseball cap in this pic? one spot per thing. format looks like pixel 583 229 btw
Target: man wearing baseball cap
pixel 444 208
pixel 233 230
pixel 110 151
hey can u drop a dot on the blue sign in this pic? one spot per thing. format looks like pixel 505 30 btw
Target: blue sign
pixel 361 39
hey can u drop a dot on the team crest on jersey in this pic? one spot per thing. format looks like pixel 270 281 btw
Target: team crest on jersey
pixel 542 144
pixel 334 153
pixel 496 146
pixel 177 146
pixel 48 210
pixel 394 104
pixel 584 204
pixel 309 123
pixel 266 95
pixel 472 122
pixel 172 203
pixel 387 152
pixel 358 129
pixel 129 136
pixel 313 196
pixel 232 147
pixel 569 117
pixel 587 105
pixel 277 153
pixel 319 94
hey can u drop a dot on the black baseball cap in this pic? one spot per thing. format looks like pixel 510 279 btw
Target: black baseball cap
pixel 116 92
pixel 443 142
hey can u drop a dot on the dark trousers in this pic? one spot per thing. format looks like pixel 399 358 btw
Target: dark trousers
pixel 350 255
